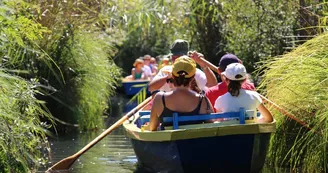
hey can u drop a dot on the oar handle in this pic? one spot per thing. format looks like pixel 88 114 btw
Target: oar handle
pixel 283 111
pixel 111 128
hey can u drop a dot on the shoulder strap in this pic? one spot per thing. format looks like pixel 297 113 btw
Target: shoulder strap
pixel 163 99
pixel 200 103
pixel 208 104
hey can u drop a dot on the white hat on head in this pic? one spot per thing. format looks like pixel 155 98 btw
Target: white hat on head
pixel 235 71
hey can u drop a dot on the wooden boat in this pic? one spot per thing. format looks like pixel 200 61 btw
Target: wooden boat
pixel 236 144
pixel 132 87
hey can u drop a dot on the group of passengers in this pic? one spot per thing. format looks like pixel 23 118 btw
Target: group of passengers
pixel 187 90
pixel 146 67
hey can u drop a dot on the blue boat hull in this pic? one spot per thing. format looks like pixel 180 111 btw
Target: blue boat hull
pixel 133 87
pixel 231 153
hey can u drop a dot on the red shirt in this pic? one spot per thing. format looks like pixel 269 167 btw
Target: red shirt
pixel 216 91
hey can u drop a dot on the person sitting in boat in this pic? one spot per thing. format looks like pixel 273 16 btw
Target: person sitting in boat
pixel 235 75
pixel 221 88
pixel 147 68
pixel 182 100
pixel 162 80
pixel 137 72
pixel 153 66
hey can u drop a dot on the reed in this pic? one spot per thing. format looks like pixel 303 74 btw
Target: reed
pixel 23 144
pixel 90 77
pixel 299 81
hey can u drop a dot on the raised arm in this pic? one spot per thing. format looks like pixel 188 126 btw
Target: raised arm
pixel 159 80
pixel 157 83
pixel 206 66
pixel 210 76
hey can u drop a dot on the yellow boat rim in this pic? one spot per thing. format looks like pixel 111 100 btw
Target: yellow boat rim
pixel 197 131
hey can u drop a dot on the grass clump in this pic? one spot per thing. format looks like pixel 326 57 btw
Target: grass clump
pixel 90 77
pixel 298 81
pixel 22 134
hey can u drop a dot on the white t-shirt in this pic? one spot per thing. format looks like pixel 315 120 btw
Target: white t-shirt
pixel 200 78
pixel 249 100
pixel 147 71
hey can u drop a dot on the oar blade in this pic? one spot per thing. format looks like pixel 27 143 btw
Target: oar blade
pixel 63 164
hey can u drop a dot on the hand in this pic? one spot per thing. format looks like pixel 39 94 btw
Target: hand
pixel 168 74
pixel 198 57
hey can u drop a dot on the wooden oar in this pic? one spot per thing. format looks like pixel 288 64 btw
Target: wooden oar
pixel 286 113
pixel 68 161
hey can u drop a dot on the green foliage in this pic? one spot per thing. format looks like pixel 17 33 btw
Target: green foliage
pixel 298 81
pixel 81 49
pixel 206 24
pixel 150 27
pixel 254 30
pixel 90 77
pixel 22 133
pixel 19 36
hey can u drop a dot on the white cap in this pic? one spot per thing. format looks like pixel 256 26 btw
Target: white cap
pixel 235 70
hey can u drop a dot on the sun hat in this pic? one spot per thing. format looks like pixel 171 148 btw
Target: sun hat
pixel 138 61
pixel 146 57
pixel 228 59
pixel 180 47
pixel 186 64
pixel 166 59
pixel 235 71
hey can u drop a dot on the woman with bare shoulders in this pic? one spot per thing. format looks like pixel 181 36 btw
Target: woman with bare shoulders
pixel 181 100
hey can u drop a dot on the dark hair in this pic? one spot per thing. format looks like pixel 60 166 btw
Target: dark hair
pixel 194 86
pixel 181 79
pixel 234 86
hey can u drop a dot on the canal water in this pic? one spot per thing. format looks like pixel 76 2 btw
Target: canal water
pixel 114 154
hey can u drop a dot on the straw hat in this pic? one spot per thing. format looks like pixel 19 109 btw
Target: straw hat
pixel 138 61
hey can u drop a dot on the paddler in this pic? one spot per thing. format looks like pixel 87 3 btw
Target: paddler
pixel 162 81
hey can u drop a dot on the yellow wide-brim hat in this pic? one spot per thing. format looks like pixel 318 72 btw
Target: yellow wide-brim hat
pixel 186 64
pixel 138 61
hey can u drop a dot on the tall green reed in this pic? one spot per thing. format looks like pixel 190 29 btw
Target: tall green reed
pixel 299 81
pixel 91 77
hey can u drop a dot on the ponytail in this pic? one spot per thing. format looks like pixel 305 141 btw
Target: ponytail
pixel 181 79
pixel 234 87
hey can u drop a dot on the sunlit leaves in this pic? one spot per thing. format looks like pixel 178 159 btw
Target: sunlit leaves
pixel 22 133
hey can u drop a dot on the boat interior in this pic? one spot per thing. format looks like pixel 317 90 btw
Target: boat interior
pixel 191 121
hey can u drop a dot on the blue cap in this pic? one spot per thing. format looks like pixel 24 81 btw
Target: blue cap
pixel 228 59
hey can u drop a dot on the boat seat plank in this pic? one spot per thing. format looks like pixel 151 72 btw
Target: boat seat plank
pixel 249 115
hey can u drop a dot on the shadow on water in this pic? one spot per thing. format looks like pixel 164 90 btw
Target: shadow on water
pixel 113 154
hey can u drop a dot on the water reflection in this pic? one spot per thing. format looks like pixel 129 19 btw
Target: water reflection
pixel 113 154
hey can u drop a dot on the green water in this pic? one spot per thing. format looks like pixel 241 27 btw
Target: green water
pixel 112 154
